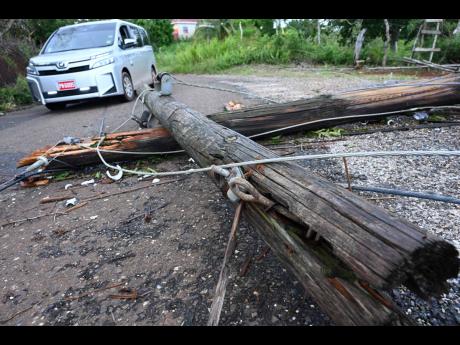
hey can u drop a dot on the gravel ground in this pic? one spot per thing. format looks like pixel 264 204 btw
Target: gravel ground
pixel 173 261
pixel 422 174
pixel 283 89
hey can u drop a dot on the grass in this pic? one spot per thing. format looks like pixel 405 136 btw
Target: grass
pixel 214 56
pixel 325 133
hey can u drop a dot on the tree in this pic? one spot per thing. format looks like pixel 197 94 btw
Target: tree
pixel 305 27
pixel 398 28
pixel 41 29
pixel 160 31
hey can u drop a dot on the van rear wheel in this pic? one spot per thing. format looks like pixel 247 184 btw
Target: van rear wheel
pixel 128 88
pixel 56 106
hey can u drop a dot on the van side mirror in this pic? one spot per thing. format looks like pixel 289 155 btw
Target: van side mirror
pixel 129 42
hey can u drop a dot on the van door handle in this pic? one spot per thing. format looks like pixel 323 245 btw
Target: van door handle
pixel 131 62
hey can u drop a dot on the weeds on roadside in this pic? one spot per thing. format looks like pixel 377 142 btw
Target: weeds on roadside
pixel 203 56
pixel 17 95
pixel 326 133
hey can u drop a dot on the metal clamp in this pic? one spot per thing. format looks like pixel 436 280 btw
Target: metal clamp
pixel 164 83
pixel 240 188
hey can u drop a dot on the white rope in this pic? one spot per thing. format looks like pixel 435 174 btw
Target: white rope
pixel 282 159
pixel 134 107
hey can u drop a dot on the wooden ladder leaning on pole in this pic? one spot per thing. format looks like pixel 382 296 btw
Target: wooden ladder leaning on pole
pixel 426 30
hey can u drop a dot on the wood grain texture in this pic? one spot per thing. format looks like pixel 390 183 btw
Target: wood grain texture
pixel 314 113
pixel 380 250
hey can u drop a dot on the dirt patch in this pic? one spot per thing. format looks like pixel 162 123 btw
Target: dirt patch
pixel 172 261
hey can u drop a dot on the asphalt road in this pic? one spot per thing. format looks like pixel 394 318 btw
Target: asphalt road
pixel 21 132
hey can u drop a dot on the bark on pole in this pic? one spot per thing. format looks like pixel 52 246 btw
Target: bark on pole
pixel 362 250
pixel 314 113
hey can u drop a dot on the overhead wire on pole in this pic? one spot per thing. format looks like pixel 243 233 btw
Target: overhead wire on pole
pixel 222 89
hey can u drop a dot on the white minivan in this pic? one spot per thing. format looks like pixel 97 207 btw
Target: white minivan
pixel 92 59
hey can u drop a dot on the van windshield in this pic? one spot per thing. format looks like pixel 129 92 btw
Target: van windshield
pixel 81 37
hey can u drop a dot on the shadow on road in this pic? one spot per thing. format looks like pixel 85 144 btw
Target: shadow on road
pixel 91 104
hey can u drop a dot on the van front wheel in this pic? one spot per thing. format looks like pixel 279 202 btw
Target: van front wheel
pixel 128 88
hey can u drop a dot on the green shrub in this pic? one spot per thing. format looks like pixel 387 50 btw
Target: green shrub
pixel 450 50
pixel 13 96
pixel 373 52
pixel 22 94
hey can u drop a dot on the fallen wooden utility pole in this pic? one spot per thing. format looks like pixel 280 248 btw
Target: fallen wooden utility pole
pixel 345 250
pixel 429 64
pixel 306 114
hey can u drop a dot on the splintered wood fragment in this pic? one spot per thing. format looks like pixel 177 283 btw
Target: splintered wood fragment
pixel 125 294
pixel 306 114
pixel 72 298
pixel 28 219
pixel 17 314
pixel 357 239
pixel 34 183
pixel 218 301
pixel 49 199
pixel 76 207
pixel 245 267
pixel 347 174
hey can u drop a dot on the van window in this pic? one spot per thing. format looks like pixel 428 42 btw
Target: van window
pixel 136 34
pixel 145 37
pixel 81 37
pixel 124 34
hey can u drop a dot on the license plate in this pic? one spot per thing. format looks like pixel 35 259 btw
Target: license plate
pixel 66 85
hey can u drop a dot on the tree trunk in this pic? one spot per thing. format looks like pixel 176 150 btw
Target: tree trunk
pixel 359 44
pixel 361 248
pixel 314 113
pixel 394 37
pixel 387 42
pixel 457 29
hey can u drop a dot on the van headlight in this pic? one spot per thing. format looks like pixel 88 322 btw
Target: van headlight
pixel 103 62
pixel 31 69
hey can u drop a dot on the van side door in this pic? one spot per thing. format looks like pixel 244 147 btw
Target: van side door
pixel 127 53
pixel 149 58
pixel 138 68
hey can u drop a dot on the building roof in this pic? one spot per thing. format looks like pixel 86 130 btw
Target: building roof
pixel 188 21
